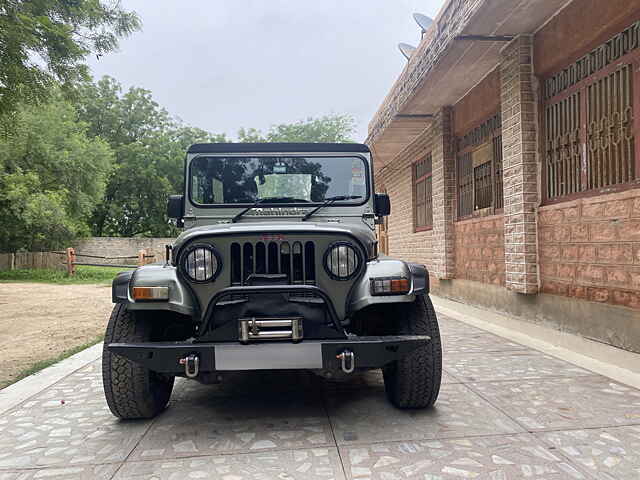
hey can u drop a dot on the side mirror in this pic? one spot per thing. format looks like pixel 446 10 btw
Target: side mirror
pixel 175 206
pixel 381 204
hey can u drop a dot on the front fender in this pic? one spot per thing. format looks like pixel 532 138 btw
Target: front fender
pixel 154 275
pixel 389 267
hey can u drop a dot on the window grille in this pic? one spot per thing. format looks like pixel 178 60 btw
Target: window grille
pixel 479 168
pixel 589 134
pixel 423 194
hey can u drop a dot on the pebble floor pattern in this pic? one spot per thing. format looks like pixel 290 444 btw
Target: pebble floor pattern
pixel 504 412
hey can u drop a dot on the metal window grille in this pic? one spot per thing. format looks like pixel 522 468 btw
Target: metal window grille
pixel 563 158
pixel 423 193
pixel 465 185
pixel 479 168
pixel 482 186
pixel 498 200
pixel 589 134
pixel 610 135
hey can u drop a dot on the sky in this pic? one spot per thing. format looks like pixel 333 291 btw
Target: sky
pixel 225 64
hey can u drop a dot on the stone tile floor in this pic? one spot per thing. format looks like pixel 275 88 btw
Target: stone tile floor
pixel 504 412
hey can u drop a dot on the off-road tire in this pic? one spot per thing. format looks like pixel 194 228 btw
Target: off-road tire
pixel 132 391
pixel 414 380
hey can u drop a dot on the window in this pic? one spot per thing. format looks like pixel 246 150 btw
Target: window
pixel 589 133
pixel 479 169
pixel 422 195
pixel 218 180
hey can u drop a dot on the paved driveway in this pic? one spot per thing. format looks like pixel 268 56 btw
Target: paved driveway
pixel 504 412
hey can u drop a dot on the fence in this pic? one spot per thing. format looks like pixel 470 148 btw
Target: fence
pixel 68 259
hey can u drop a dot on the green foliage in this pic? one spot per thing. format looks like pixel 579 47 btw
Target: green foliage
pixel 334 128
pixel 54 175
pixel 45 42
pixel 84 274
pixel 149 148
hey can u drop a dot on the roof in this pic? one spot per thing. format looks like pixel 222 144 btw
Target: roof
pixel 277 147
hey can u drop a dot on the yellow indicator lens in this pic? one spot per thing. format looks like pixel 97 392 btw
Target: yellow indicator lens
pixel 400 285
pixel 150 293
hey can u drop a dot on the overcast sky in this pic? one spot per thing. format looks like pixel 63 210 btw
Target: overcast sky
pixel 225 64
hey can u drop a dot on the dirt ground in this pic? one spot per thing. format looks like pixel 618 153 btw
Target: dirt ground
pixel 39 321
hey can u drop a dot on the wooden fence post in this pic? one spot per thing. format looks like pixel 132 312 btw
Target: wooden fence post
pixel 13 262
pixel 141 254
pixel 71 260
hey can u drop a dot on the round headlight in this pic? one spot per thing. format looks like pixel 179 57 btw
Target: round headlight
pixel 342 261
pixel 201 263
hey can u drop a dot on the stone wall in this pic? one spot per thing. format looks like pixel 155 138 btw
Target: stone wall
pixel 396 178
pixel 520 165
pixel 590 248
pixel 480 249
pixel 119 247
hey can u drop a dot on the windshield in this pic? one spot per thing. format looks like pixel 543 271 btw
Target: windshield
pixel 241 180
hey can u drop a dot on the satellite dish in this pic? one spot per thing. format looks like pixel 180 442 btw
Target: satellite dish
pixel 406 50
pixel 423 21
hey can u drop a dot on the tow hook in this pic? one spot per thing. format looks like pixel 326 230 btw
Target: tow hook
pixel 191 365
pixel 348 361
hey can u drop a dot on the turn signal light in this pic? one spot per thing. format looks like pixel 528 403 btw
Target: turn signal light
pixel 390 286
pixel 150 293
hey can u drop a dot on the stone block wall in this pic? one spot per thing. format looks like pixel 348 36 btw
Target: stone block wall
pixel 519 147
pixel 480 250
pixel 120 246
pixel 590 248
pixel 396 178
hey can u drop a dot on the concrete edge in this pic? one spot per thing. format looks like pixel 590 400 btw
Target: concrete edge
pixel 24 389
pixel 620 365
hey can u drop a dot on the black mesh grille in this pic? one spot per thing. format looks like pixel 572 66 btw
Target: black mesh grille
pixel 296 260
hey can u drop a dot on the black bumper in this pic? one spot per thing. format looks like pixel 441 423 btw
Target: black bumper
pixel 368 352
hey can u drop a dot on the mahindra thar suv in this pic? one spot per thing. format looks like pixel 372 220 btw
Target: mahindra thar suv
pixel 277 268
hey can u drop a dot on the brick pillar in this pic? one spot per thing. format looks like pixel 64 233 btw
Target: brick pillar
pixel 519 147
pixel 443 184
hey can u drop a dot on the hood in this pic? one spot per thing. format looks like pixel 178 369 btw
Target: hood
pixel 361 232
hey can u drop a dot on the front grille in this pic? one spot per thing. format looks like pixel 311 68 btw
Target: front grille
pixel 296 260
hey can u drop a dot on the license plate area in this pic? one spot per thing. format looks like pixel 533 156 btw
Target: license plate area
pixel 269 328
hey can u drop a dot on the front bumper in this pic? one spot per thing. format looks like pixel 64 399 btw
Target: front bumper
pixel 368 352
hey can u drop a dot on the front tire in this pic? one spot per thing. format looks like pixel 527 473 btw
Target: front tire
pixel 132 391
pixel 414 380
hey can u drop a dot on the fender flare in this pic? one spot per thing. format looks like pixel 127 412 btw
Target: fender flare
pixel 417 274
pixel 153 275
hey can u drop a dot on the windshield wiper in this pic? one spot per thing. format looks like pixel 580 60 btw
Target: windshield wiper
pixel 237 217
pixel 327 202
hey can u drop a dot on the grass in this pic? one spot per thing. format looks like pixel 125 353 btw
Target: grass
pixel 42 364
pixel 84 274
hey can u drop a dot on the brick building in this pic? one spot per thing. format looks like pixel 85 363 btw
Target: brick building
pixel 507 146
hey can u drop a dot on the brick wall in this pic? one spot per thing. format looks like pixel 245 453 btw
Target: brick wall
pixel 480 249
pixel 397 178
pixel 590 248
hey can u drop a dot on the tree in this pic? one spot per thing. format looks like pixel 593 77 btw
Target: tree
pixel 149 146
pixel 54 175
pixel 45 42
pixel 334 128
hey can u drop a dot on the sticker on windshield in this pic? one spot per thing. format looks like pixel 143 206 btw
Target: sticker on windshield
pixel 357 173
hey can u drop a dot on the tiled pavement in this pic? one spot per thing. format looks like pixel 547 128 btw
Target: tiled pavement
pixel 504 412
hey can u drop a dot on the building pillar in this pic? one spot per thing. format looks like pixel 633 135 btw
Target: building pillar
pixel 519 150
pixel 443 184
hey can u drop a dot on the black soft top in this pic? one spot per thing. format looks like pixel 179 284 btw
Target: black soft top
pixel 277 147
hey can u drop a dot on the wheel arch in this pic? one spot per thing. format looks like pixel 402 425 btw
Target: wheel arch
pixel 385 267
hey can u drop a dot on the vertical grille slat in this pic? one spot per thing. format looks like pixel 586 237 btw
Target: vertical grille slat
pixel 296 260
